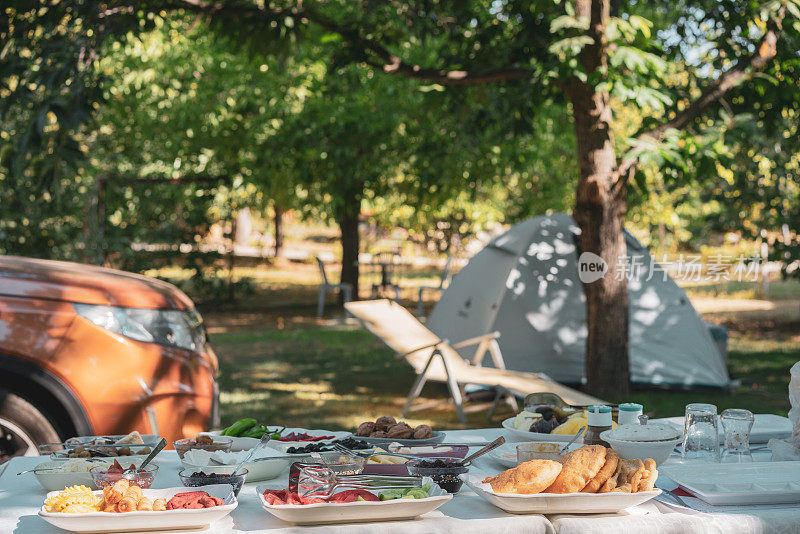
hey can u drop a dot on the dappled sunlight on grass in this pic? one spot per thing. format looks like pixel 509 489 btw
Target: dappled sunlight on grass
pixel 283 366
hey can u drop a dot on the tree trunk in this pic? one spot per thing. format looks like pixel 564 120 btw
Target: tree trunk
pixel 348 225
pixel 278 230
pixel 599 211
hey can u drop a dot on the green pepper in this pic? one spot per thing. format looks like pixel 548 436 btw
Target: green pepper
pixel 239 427
pixel 276 434
pixel 256 432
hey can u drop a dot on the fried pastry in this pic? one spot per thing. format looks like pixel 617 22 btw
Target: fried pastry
pixel 144 505
pixel 648 481
pixel 579 468
pixel 159 505
pixel 127 504
pixel 528 477
pixel 606 472
pixel 629 476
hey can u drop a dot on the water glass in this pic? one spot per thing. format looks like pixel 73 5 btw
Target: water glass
pixel 701 433
pixel 737 424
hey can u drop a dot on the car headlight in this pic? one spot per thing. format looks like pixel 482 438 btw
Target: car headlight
pixel 170 328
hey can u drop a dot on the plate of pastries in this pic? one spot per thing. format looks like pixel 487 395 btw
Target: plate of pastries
pixel 591 479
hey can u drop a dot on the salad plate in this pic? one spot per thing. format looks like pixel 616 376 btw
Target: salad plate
pixel 144 521
pixel 356 512
pixel 552 503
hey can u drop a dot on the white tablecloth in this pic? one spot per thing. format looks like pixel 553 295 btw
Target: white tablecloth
pixel 21 497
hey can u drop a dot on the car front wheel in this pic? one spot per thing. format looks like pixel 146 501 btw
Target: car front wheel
pixel 22 427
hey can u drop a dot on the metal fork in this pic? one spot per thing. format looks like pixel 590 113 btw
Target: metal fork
pixel 315 480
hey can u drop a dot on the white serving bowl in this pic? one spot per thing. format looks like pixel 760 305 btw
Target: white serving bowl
pixel 54 481
pixel 659 451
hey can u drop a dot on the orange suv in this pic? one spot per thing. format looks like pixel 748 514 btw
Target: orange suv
pixel 86 350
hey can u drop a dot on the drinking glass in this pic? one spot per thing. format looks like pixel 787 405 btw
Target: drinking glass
pixel 737 424
pixel 701 433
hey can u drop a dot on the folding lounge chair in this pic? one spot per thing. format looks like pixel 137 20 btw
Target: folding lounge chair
pixel 436 359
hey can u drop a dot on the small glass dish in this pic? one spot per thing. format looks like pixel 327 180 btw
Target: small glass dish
pixel 443 471
pixel 539 451
pixel 338 463
pixel 142 477
pixel 218 444
pixel 194 477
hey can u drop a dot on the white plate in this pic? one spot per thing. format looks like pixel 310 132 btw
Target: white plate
pixel 765 427
pixel 260 469
pixel 356 512
pixel 551 503
pixel 506 454
pixel 140 521
pixel 150 440
pixel 283 445
pixel 508 424
pixel 743 484
pixel 438 437
pixel 238 444
pixel 59 481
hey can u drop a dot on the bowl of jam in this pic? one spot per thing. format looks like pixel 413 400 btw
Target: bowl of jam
pixel 443 471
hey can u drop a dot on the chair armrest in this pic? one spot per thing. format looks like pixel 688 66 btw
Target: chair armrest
pixel 428 346
pixel 475 340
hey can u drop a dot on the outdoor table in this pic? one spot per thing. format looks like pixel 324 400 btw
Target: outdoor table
pixel 21 497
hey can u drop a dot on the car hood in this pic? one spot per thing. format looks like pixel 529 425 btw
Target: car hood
pixel 76 282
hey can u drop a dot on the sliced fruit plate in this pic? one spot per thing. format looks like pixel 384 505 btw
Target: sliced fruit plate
pixel 508 424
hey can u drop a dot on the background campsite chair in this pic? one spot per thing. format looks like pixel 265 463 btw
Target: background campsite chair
pixel 443 279
pixel 387 263
pixel 436 359
pixel 325 286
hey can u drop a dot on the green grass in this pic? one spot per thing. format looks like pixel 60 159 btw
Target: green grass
pixel 317 376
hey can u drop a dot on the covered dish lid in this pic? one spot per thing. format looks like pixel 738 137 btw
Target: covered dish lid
pixel 650 432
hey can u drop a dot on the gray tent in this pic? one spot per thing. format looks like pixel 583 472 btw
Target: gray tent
pixel 525 285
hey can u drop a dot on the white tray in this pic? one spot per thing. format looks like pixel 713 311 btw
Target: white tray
pixel 508 424
pixel 742 484
pixel 356 512
pixel 551 503
pixel 141 521
pixel 283 445
pixel 765 427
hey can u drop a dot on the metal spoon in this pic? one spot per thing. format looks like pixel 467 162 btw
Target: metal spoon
pixel 493 445
pixel 570 442
pixel 261 443
pixel 156 450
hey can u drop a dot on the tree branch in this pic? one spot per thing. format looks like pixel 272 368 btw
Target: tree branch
pixel 381 59
pixel 765 52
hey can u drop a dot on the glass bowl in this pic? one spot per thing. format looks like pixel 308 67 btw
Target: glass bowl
pixel 142 477
pixel 443 471
pixel 544 450
pixel 338 463
pixel 220 443
pixel 195 476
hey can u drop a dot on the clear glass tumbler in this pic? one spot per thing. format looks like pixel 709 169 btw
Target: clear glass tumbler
pixel 737 424
pixel 701 433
